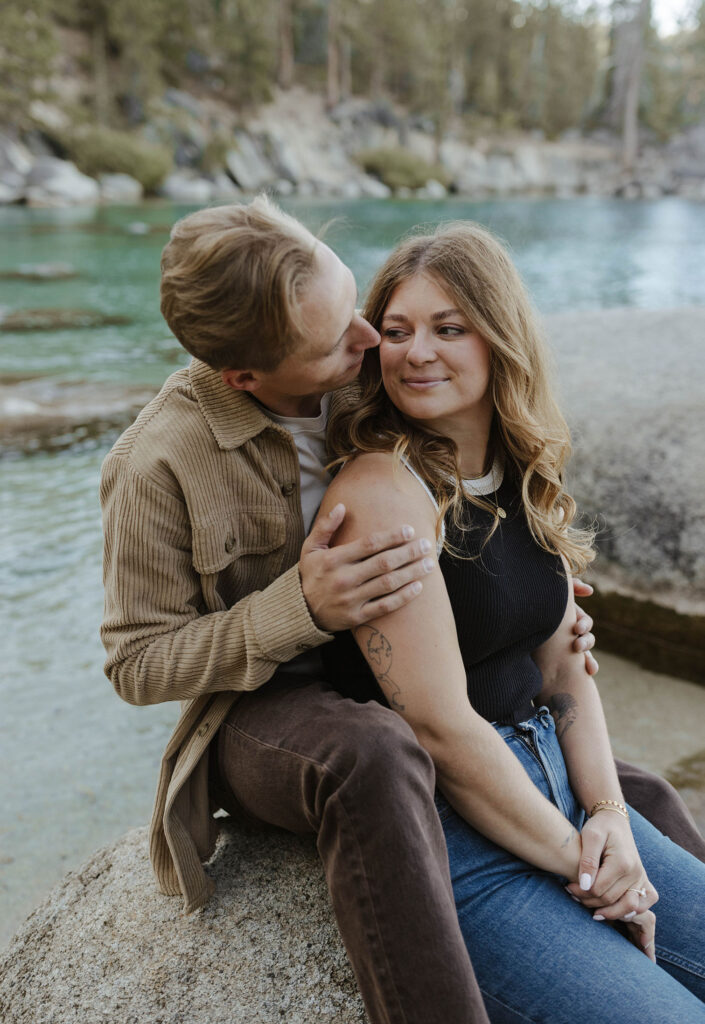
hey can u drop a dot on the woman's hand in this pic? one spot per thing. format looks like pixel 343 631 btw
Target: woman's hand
pixel 612 880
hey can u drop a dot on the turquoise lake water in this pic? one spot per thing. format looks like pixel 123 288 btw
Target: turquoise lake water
pixel 77 766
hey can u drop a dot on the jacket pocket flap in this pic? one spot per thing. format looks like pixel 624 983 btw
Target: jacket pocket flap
pixel 222 541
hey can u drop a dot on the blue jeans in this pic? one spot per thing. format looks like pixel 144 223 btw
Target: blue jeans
pixel 538 955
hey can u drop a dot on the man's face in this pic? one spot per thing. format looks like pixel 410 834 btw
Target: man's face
pixel 335 340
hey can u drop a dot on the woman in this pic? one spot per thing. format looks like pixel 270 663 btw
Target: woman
pixel 457 429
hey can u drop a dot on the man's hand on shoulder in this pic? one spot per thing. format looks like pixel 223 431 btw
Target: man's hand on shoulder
pixel 354 583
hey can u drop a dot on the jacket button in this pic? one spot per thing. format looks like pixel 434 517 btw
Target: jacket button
pixel 230 545
pixel 288 489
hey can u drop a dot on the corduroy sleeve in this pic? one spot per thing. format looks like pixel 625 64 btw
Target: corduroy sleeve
pixel 160 644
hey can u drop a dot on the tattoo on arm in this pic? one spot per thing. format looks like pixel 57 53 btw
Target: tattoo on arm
pixel 564 708
pixel 569 838
pixel 378 651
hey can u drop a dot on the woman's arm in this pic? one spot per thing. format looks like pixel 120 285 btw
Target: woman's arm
pixel 610 868
pixel 414 655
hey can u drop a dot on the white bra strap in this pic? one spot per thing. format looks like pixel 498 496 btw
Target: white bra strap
pixel 405 462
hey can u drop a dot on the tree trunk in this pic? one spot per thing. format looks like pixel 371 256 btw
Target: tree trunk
pixel 630 123
pixel 285 59
pixel 101 94
pixel 333 60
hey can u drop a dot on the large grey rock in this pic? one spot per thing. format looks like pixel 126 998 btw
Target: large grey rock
pixel 247 165
pixel 54 182
pixel 106 946
pixel 633 383
pixel 120 188
pixel 186 187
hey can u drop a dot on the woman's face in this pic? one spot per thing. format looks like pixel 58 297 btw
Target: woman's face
pixel 435 368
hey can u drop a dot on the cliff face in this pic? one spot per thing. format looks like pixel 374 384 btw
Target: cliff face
pixel 296 146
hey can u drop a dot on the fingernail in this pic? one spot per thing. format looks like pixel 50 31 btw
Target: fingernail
pixel 585 881
pixel 628 917
pixel 425 545
pixel 428 564
pixel 337 509
pixel 408 532
pixel 416 587
pixel 597 917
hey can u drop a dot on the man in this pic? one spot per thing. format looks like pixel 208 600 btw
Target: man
pixel 213 591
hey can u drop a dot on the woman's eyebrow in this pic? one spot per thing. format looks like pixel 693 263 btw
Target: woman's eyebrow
pixel 395 316
pixel 445 313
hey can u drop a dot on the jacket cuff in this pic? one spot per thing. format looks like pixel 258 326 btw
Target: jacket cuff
pixel 282 621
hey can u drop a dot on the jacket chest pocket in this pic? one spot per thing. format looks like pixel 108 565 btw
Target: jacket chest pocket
pixel 239 553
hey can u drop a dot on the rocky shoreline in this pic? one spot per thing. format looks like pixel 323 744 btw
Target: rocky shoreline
pixel 295 146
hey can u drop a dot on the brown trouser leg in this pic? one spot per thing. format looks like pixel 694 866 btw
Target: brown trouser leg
pixel 306 759
pixel 660 804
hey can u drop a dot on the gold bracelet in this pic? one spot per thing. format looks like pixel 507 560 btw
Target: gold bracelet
pixel 609 805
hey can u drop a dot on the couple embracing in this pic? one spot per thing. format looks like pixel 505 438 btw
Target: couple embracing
pixel 345 545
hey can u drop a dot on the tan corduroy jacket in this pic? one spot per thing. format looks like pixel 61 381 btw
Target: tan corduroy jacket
pixel 203 531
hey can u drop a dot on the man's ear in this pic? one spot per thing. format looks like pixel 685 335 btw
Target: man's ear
pixel 241 380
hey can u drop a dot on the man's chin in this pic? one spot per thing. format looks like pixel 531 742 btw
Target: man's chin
pixel 348 377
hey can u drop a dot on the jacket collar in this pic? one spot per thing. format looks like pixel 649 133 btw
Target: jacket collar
pixel 233 416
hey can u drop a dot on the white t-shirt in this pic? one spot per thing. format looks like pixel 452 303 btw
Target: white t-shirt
pixel 309 433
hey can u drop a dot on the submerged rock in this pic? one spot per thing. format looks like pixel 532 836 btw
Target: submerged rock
pixel 40 272
pixel 40 414
pixel 57 319
pixel 105 945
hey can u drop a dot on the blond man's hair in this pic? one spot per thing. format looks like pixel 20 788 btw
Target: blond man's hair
pixel 232 279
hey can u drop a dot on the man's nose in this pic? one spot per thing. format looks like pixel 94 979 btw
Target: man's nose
pixel 365 335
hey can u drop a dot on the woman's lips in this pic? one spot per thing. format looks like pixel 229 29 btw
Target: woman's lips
pixel 423 383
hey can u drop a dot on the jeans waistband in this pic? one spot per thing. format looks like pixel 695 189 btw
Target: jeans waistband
pixel 520 714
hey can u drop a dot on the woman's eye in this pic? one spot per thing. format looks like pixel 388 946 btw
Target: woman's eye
pixel 393 334
pixel 450 331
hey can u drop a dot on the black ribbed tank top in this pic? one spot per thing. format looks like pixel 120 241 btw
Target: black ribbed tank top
pixel 508 596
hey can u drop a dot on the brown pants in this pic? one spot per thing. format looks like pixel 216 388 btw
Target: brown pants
pixel 304 758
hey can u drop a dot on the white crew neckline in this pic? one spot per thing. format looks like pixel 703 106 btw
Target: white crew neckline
pixel 301 424
pixel 488 483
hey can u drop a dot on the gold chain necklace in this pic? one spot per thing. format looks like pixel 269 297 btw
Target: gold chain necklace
pixel 476 487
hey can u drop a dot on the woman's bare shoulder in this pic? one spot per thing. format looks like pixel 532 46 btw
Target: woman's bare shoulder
pixel 377 489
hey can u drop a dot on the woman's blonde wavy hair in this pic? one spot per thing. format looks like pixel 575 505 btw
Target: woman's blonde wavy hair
pixel 528 428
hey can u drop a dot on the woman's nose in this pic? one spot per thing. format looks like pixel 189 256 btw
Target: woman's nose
pixel 421 349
